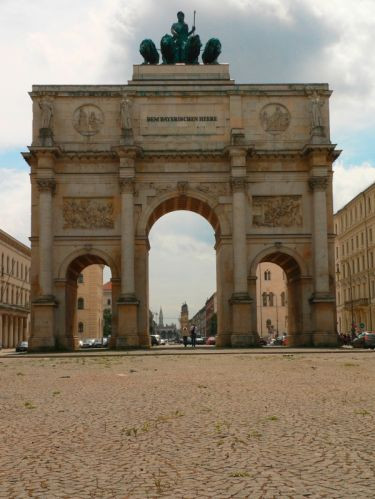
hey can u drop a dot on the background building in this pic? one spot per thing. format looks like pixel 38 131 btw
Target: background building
pixel 355 256
pixel 90 302
pixel 14 291
pixel 272 313
pixel 184 318
pixel 166 331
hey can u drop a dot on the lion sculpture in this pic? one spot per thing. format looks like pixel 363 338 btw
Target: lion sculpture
pixel 168 49
pixel 211 51
pixel 192 50
pixel 149 52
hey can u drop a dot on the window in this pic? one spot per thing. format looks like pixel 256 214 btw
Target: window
pixel 270 299
pixel 80 279
pixel 80 327
pixel 283 301
pixel 81 304
pixel 267 275
pixel 264 298
pixel 370 235
pixel 108 301
pixel 356 242
pixel 362 239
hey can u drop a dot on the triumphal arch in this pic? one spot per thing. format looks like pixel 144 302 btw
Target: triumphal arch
pixel 255 160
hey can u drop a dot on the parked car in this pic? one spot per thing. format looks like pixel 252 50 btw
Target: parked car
pixel 154 340
pixel 105 341
pixel 22 346
pixel 364 340
pixel 199 340
pixel 162 341
pixel 211 340
pixel 97 344
pixel 88 342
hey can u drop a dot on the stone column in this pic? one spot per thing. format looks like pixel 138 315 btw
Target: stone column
pixel 127 332
pixel 43 302
pixel 127 238
pixel 5 331
pixel 242 333
pixel 46 189
pixel 24 329
pixel 239 238
pixel 321 268
pixel 322 300
pixel 11 332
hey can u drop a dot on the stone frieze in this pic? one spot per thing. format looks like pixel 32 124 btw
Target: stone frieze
pixel 88 213
pixel 277 211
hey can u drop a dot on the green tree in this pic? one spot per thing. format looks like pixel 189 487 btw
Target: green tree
pixel 107 322
pixel 212 325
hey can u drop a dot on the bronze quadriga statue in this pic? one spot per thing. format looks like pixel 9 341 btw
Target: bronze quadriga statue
pixel 182 46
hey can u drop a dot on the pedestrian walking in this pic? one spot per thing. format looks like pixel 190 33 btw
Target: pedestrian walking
pixel 193 335
pixel 185 336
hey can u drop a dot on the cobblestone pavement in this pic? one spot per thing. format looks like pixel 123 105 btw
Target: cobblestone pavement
pixel 188 426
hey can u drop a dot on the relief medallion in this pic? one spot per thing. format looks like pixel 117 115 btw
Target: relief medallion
pixel 88 120
pixel 275 118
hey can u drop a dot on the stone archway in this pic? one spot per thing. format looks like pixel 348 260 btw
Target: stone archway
pixel 66 294
pixel 193 202
pixel 299 290
pixel 260 177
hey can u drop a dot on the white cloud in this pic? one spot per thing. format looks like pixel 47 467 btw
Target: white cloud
pixel 15 203
pixel 350 181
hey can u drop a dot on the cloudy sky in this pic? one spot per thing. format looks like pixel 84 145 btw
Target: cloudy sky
pixel 96 41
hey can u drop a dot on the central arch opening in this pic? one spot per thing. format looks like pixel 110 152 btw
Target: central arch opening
pixel 182 271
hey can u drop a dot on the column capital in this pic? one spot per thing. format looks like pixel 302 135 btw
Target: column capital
pixel 46 185
pixel 238 155
pixel 318 183
pixel 238 184
pixel 130 152
pixel 127 185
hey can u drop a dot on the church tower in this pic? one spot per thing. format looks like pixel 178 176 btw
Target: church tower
pixel 161 320
pixel 184 319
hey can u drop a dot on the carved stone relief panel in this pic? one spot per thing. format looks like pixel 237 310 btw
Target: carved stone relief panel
pixel 88 120
pixel 277 211
pixel 88 213
pixel 275 118
pixel 214 189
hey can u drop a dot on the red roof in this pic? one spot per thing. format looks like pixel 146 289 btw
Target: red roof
pixel 107 286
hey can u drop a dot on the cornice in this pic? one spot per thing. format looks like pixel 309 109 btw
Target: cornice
pixel 14 243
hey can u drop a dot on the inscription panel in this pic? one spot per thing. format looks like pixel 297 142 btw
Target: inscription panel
pixel 181 119
pixel 277 211
pixel 88 213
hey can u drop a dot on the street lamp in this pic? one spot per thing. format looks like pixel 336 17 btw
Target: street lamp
pixel 351 292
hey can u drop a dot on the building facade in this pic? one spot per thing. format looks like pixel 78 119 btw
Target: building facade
pixel 14 291
pixel 355 263
pixel 255 160
pixel 90 302
pixel 199 320
pixel 272 292
pixel 166 331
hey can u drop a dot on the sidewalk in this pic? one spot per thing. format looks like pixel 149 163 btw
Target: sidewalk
pixel 180 350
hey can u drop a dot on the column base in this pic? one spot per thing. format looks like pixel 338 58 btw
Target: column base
pixel 42 325
pixel 244 340
pixel 223 340
pixel 324 320
pixel 127 333
pixel 242 336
